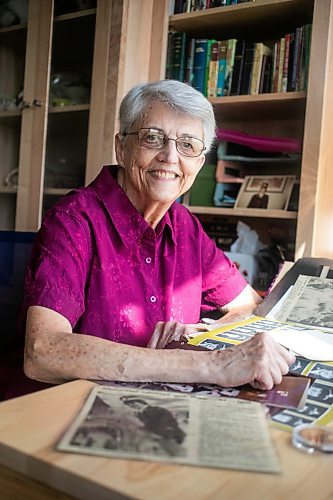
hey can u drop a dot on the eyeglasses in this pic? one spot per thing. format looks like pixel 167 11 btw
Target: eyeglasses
pixel 153 138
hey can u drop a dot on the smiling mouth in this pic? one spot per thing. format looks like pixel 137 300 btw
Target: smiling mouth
pixel 163 175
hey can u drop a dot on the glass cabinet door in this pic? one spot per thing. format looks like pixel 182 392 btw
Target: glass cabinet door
pixel 69 98
pixel 13 36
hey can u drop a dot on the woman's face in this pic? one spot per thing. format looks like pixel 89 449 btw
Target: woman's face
pixel 159 176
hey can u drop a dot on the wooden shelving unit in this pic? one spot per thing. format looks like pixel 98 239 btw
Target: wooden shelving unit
pixel 302 115
pixel 129 43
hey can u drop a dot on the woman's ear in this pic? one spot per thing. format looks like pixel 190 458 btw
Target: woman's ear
pixel 119 148
pixel 203 159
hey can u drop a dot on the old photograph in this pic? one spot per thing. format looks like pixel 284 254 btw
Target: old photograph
pixel 265 192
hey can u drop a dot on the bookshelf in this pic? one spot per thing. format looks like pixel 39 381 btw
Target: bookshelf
pixel 128 45
pixel 301 115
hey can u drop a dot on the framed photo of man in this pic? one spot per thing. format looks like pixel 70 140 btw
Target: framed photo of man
pixel 265 192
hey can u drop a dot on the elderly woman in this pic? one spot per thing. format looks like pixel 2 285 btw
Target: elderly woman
pixel 119 269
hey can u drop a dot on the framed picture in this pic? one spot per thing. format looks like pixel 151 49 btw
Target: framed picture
pixel 266 192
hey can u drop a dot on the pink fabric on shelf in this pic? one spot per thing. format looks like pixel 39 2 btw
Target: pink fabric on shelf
pixel 260 142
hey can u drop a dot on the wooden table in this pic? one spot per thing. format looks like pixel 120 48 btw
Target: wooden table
pixel 30 468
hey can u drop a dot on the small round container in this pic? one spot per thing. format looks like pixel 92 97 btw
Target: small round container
pixel 312 438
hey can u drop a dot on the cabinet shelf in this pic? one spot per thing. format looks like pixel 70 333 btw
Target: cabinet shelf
pixel 244 212
pixel 69 109
pixel 57 191
pixel 281 104
pixel 9 115
pixel 16 27
pixel 8 190
pixel 75 15
pixel 246 19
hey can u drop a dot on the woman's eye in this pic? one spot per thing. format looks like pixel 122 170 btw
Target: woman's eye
pixel 152 138
pixel 186 145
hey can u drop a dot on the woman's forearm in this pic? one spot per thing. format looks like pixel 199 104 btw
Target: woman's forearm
pixel 54 354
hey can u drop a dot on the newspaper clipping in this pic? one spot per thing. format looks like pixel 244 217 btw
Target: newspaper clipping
pixel 194 430
pixel 309 302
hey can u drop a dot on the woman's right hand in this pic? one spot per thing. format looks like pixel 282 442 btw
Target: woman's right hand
pixel 259 361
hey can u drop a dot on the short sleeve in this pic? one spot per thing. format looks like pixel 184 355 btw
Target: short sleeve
pixel 59 265
pixel 221 281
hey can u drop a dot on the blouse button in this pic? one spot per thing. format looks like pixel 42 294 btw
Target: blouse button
pixel 148 260
pixel 153 299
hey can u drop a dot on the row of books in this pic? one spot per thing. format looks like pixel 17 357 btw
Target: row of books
pixel 181 6
pixel 236 67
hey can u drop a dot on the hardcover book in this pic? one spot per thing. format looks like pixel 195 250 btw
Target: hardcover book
pixel 231 51
pixel 222 68
pixel 199 65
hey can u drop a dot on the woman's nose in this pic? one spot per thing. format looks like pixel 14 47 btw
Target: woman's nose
pixel 169 152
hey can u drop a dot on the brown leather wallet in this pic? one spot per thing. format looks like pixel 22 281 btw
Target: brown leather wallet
pixel 176 344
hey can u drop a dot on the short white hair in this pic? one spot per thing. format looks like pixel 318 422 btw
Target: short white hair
pixel 178 96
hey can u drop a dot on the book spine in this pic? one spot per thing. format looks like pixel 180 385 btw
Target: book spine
pixel 188 78
pixel 238 68
pixel 291 60
pixel 255 68
pixel 179 6
pixel 285 63
pixel 229 65
pixel 264 50
pixel 213 69
pixel 221 68
pixel 207 62
pixel 247 68
pixel 304 60
pixel 169 59
pixel 281 61
pixel 266 88
pixel 178 60
pixel 296 58
pixel 199 65
pixel 307 59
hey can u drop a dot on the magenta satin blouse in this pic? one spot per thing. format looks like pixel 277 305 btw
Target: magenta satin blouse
pixel 97 262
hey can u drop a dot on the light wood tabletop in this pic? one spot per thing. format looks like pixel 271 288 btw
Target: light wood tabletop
pixel 31 468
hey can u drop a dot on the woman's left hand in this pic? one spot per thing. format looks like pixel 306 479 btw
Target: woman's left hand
pixel 164 333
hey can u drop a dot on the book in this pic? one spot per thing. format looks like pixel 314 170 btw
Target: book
pixel 296 59
pixel 207 65
pixel 221 68
pixel 188 77
pixel 280 64
pixel 266 75
pixel 169 58
pixel 238 68
pixel 259 51
pixel 231 50
pixel 178 56
pixel 304 58
pixel 247 68
pixel 213 69
pixel 275 66
pixel 284 85
pixel 291 60
pixel 199 64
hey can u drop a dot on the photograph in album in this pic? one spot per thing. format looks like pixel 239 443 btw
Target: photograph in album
pixel 271 192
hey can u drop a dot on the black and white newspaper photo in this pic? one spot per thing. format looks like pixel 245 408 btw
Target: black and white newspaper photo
pixel 170 427
pixel 310 302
